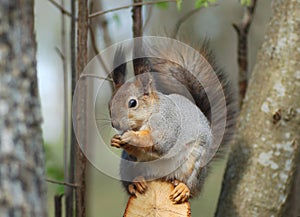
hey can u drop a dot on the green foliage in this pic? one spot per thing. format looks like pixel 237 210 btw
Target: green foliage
pixel 245 2
pixel 179 4
pixel 162 5
pixel 116 19
pixel 203 3
pixel 54 168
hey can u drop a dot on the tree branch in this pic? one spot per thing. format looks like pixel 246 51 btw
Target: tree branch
pixel 128 6
pixel 61 8
pixel 182 20
pixel 137 19
pixel 96 50
pixel 242 30
pixel 61 183
pixel 186 17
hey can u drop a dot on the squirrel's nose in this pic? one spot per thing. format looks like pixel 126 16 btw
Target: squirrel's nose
pixel 115 124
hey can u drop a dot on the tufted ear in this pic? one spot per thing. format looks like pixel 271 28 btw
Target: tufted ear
pixel 146 81
pixel 119 72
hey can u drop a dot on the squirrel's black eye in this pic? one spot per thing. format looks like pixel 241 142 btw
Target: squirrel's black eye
pixel 132 103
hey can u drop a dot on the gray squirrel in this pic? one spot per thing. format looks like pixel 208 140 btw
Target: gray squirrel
pixel 165 117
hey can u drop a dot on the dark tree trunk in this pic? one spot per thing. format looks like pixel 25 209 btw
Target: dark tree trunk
pixel 22 185
pixel 81 161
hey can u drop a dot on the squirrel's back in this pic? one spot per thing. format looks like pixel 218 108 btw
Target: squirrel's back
pixel 207 84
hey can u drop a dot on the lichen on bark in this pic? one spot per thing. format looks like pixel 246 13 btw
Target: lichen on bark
pixel 22 186
pixel 262 163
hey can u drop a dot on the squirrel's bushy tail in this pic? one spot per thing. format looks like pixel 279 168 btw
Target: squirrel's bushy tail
pixel 206 83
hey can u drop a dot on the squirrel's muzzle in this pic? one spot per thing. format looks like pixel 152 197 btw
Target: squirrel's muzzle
pixel 115 124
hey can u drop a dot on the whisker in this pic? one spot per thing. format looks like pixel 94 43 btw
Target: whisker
pixel 103 120
pixel 100 113
pixel 103 125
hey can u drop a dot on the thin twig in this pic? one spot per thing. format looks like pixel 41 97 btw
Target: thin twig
pixel 103 24
pixel 186 17
pixel 62 183
pixel 96 50
pixel 95 76
pixel 61 8
pixel 183 19
pixel 128 6
pixel 242 30
pixel 60 53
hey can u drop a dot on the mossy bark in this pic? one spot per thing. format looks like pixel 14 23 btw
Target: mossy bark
pixel 261 169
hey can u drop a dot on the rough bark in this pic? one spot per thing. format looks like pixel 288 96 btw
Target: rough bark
pixel 22 185
pixel 81 161
pixel 137 21
pixel 262 164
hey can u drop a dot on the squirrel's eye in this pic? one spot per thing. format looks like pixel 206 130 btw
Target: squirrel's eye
pixel 132 103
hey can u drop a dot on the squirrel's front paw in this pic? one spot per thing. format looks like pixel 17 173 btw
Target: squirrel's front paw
pixel 181 192
pixel 140 138
pixel 116 141
pixel 131 138
pixel 139 184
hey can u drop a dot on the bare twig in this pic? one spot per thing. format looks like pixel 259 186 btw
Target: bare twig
pixel 242 30
pixel 128 6
pixel 61 8
pixel 96 50
pixel 186 17
pixel 137 19
pixel 101 22
pixel 61 183
pixel 183 19
pixel 60 53
pixel 95 76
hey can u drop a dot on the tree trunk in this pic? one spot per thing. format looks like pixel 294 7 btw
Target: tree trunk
pixel 22 185
pixel 261 168
pixel 81 161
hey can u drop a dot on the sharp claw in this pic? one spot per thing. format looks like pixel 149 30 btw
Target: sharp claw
pixel 180 193
pixel 131 190
pixel 140 184
pixel 116 145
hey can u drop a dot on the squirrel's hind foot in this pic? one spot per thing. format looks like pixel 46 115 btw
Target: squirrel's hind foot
pixel 181 192
pixel 139 184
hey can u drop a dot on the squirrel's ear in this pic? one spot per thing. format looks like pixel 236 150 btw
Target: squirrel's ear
pixel 119 72
pixel 147 83
pixel 141 65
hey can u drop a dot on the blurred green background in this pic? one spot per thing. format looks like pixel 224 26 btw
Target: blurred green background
pixel 105 195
